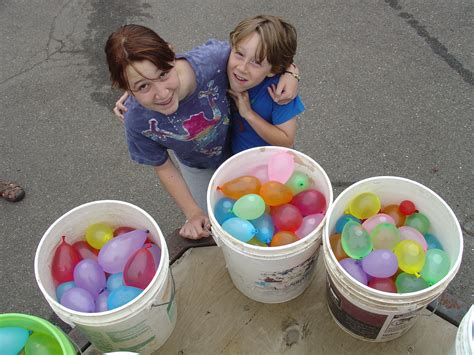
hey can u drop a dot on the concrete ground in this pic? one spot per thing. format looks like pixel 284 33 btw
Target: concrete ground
pixel 388 89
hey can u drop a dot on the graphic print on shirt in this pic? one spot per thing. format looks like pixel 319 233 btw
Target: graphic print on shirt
pixel 197 127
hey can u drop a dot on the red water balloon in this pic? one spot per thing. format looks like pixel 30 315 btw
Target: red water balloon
pixel 85 250
pixel 386 285
pixel 139 269
pixel 407 207
pixel 310 201
pixel 64 261
pixel 122 230
pixel 287 217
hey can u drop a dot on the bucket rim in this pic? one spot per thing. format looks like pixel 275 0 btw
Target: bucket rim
pixel 269 251
pixel 160 272
pixel 441 284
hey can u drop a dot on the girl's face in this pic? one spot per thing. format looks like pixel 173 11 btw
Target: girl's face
pixel 154 89
pixel 243 69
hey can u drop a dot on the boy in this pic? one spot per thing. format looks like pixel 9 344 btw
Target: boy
pixel 262 47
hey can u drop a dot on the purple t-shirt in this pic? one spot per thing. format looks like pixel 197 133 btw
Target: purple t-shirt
pixel 198 131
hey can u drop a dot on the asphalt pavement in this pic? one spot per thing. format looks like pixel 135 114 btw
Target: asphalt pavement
pixel 388 89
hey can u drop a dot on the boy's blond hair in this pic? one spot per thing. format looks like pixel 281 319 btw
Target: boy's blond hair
pixel 277 40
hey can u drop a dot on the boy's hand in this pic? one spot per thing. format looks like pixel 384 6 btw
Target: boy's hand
pixel 196 227
pixel 242 102
pixel 120 108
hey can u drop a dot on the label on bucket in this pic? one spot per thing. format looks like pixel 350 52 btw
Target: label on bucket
pixel 366 324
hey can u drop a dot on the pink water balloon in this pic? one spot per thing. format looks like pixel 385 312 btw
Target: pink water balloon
pixel 281 167
pixel 115 253
pixel 373 221
pixel 410 233
pixel 156 252
pixel 309 224
pixel 260 172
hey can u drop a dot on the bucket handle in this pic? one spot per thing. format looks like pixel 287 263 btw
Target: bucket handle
pixel 433 310
pixel 173 292
pixel 79 351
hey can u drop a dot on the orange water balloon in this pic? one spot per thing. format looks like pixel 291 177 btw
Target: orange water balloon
pixel 394 212
pixel 283 238
pixel 240 186
pixel 275 193
pixel 336 247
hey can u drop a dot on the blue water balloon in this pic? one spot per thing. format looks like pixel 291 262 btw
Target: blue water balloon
pixel 223 209
pixel 265 228
pixel 12 339
pixel 121 296
pixel 432 241
pixel 341 222
pixel 115 281
pixel 63 288
pixel 239 228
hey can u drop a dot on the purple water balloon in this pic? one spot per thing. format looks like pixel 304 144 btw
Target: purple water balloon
pixel 156 252
pixel 115 253
pixel 380 263
pixel 354 269
pixel 89 275
pixel 78 299
pixel 101 301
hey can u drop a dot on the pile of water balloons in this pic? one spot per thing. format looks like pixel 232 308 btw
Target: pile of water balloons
pixel 272 205
pixel 14 340
pixel 388 248
pixel 107 270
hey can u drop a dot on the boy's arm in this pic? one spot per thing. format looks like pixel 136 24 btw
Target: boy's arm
pixel 282 135
pixel 197 224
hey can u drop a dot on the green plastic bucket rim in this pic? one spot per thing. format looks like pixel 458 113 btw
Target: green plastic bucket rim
pixel 37 324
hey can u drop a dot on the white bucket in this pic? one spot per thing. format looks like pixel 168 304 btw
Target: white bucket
pixel 465 337
pixel 275 274
pixel 142 325
pixel 373 315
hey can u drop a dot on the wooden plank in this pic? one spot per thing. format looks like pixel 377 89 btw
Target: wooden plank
pixel 214 317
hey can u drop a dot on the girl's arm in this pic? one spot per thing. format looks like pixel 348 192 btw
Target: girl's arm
pixel 120 107
pixel 281 135
pixel 287 88
pixel 197 225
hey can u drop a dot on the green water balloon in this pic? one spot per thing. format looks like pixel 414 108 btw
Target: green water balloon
pixel 249 207
pixel 406 283
pixel 418 221
pixel 355 240
pixel 436 266
pixel 42 344
pixel 298 182
pixel 385 236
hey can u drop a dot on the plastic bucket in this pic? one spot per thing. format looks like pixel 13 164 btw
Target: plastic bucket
pixel 143 324
pixel 464 344
pixel 276 274
pixel 36 324
pixel 373 315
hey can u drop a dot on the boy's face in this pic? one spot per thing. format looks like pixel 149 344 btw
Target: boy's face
pixel 243 69
pixel 154 89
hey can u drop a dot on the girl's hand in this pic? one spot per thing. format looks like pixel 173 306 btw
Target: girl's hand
pixel 242 102
pixel 287 88
pixel 196 227
pixel 120 108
